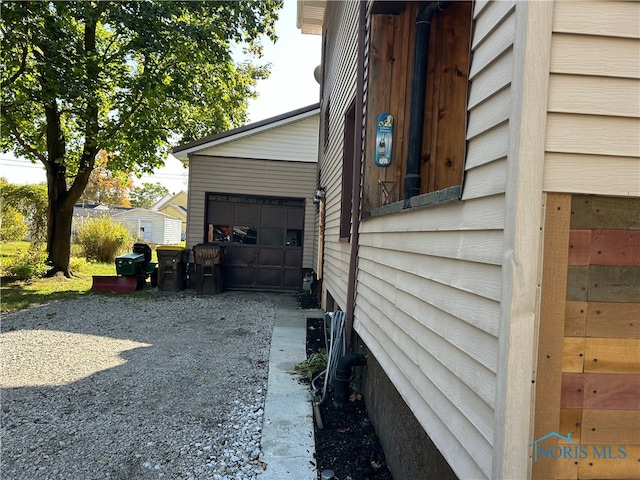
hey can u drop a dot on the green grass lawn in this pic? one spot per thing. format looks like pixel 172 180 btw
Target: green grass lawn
pixel 11 249
pixel 19 294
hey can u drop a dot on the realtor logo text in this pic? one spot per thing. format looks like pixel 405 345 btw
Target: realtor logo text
pixel 575 451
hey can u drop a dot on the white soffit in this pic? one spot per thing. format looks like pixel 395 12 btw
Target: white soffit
pixel 310 16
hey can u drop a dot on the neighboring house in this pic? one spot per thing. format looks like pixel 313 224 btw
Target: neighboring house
pixel 83 212
pixel 251 189
pixel 491 269
pixel 153 227
pixel 174 205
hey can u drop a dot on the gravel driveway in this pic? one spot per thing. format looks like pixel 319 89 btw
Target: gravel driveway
pixel 126 387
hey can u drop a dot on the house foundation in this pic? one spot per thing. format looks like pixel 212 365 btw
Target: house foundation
pixel 409 452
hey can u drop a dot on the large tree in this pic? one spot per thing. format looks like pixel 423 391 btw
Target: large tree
pixel 124 77
pixel 147 194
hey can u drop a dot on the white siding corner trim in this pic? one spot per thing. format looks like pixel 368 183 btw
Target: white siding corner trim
pixel 521 269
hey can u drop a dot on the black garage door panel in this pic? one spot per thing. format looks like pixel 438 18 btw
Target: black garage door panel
pixel 262 238
pixel 293 257
pixel 295 217
pixel 246 215
pixel 273 257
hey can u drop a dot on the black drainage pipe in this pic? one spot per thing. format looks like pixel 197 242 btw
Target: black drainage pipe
pixel 418 94
pixel 342 377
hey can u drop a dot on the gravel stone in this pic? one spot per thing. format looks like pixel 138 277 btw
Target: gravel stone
pixel 170 385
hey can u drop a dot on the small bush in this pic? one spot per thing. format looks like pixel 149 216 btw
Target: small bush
pixel 79 265
pixel 27 265
pixel 13 227
pixel 102 239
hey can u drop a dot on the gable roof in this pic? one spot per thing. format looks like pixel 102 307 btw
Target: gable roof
pixel 166 200
pixel 183 151
pixel 177 209
pixel 143 212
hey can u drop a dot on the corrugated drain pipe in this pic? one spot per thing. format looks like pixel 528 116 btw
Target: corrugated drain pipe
pixel 418 94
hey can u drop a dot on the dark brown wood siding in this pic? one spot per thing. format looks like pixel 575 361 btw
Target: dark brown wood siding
pixel 389 80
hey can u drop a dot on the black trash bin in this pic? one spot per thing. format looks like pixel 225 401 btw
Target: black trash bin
pixel 172 268
pixel 144 249
pixel 208 261
pixel 150 268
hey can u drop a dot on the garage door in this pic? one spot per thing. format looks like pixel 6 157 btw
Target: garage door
pixel 262 238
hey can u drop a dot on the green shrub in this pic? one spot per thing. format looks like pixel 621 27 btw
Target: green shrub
pixel 31 201
pixel 13 228
pixel 79 265
pixel 27 265
pixel 102 239
pixel 313 365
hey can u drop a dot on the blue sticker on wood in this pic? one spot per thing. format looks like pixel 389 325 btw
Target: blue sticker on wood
pixel 384 139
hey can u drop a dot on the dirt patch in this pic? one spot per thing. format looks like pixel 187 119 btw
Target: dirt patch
pixel 347 444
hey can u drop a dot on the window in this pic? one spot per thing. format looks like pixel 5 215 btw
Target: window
pixel 294 238
pixel 245 234
pixel 272 236
pixel 219 233
pixel 440 162
pixel 348 159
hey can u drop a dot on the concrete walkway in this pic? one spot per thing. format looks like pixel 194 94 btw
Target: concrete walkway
pixel 288 443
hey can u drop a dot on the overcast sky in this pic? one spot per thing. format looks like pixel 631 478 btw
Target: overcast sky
pixel 291 85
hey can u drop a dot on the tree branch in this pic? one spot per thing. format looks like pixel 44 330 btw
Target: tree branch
pixel 20 71
pixel 21 141
pixel 90 150
pixel 136 104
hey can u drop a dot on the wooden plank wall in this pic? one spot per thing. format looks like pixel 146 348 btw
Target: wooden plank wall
pixel 390 77
pixel 599 371
pixel 446 102
pixel 388 87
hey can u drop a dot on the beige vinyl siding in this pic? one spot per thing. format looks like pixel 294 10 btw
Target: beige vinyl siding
pixel 429 280
pixel 339 91
pixel 588 173
pixel 488 147
pixel 595 95
pixel 489 100
pixel 295 142
pixel 500 40
pixel 427 306
pixel 243 176
pixel 593 123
